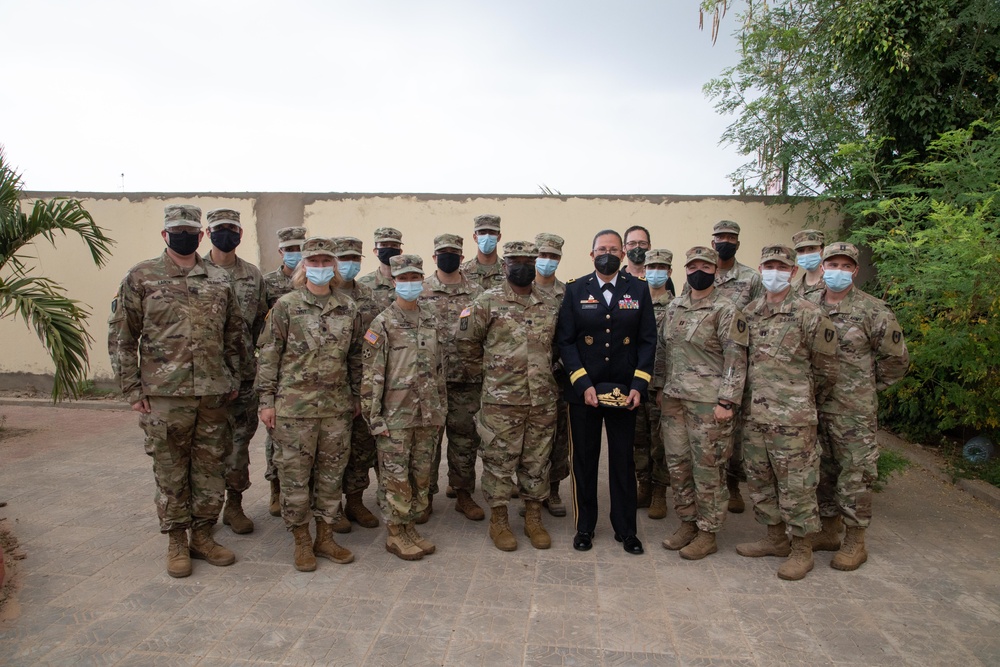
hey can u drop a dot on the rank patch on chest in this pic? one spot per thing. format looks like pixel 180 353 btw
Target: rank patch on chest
pixel 371 337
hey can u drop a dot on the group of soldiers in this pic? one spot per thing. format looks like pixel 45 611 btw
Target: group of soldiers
pixel 766 376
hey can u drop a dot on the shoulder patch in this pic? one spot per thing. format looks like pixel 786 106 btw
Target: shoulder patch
pixel 897 336
pixel 828 335
pixel 371 337
pixel 114 305
pixel 466 312
pixel 741 325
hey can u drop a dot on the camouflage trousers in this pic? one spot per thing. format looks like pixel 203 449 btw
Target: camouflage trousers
pixel 697 450
pixel 243 414
pixel 642 443
pixel 404 460
pixel 559 458
pixel 463 441
pixel 270 470
pixel 782 466
pixel 658 463
pixel 516 439
pixel 735 469
pixel 311 450
pixel 848 467
pixel 188 438
pixel 362 458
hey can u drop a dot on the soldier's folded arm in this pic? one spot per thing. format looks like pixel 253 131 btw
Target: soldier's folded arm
pixel 823 354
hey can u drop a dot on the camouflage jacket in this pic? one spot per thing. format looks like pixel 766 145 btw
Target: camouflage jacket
pixel 486 276
pixel 368 306
pixel 383 290
pixel 175 331
pixel 448 302
pixel 310 363
pixel 556 290
pixel 872 352
pixel 248 283
pixel 276 285
pixel 800 287
pixel 791 362
pixel 701 350
pixel 404 385
pixel 511 336
pixel 740 284
pixel 660 305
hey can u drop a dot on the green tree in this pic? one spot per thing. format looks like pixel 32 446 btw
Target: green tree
pixel 59 321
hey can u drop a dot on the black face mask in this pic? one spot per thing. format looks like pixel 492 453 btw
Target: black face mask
pixel 521 275
pixel 385 254
pixel 700 280
pixel 726 250
pixel 225 240
pixel 607 264
pixel 448 262
pixel 637 255
pixel 182 243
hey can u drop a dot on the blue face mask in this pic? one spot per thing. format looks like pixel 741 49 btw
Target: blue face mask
pixel 292 259
pixel 319 275
pixel 809 262
pixel 348 270
pixel 409 290
pixel 546 266
pixel 838 280
pixel 656 277
pixel 487 243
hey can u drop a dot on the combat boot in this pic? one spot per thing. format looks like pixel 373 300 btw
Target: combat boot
pixel 426 546
pixel 467 506
pixel 398 542
pixel 233 516
pixel 305 559
pixel 341 524
pixel 828 538
pixel 500 533
pixel 700 547
pixel 356 511
pixel 325 546
pixel 775 544
pixel 554 503
pixel 736 504
pixel 643 493
pixel 450 492
pixel 799 563
pixel 274 505
pixel 533 527
pixel 852 553
pixel 178 556
pixel 425 516
pixel 658 505
pixel 683 536
pixel 205 547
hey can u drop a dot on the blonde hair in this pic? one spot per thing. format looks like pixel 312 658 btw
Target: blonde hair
pixel 299 276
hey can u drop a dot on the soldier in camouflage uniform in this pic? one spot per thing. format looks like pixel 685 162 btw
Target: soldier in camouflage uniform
pixel 277 284
pixel 486 268
pixel 448 292
pixel 226 232
pixel 808 246
pixel 404 401
pixel 873 356
pixel 509 330
pixel 701 364
pixel 388 244
pixel 657 274
pixel 176 341
pixel 792 366
pixel 309 378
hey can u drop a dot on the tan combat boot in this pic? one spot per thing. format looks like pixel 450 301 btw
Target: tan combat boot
pixel 325 546
pixel 305 559
pixel 426 546
pixel 852 553
pixel 467 506
pixel 450 492
pixel 700 547
pixel 799 563
pixel 500 532
pixel 356 511
pixel 341 524
pixel 554 503
pixel 398 542
pixel 533 527
pixel 425 516
pixel 205 547
pixel 775 544
pixel 736 504
pixel 658 505
pixel 828 538
pixel 178 557
pixel 274 505
pixel 233 516
pixel 683 536
pixel 643 493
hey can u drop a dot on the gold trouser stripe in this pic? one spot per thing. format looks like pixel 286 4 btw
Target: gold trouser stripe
pixel 577 375
pixel 572 476
pixel 643 375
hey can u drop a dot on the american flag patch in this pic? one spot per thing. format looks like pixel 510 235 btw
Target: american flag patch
pixel 466 312
pixel 371 337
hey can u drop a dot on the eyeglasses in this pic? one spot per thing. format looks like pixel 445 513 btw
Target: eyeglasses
pixel 637 244
pixel 607 251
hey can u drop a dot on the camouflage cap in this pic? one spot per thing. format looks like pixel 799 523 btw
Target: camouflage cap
pixel 443 241
pixel 181 215
pixel 487 222
pixel 401 264
pixel 549 243
pixel 289 236
pixel 347 245
pixel 318 245
pixel 388 235
pixel 520 249
pixel 781 253
pixel 726 227
pixel 841 248
pixel 223 216
pixel 808 237
pixel 703 253
pixel 659 256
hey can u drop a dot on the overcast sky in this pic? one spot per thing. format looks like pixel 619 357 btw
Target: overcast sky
pixel 453 96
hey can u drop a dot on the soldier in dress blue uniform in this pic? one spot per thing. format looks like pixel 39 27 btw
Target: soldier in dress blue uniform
pixel 607 339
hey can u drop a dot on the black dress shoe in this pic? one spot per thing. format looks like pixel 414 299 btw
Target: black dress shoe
pixel 583 541
pixel 631 544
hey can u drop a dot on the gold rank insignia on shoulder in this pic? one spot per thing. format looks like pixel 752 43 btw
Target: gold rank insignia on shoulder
pixel 627 340
pixel 589 340
pixel 613 399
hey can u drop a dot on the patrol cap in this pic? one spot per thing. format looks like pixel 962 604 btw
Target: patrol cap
pixel 346 245
pixel 781 253
pixel 388 235
pixel 659 256
pixel 289 236
pixel 549 243
pixel 808 237
pixel 453 241
pixel 487 222
pixel 223 216
pixel 401 264
pixel 841 248
pixel 703 253
pixel 520 249
pixel 318 245
pixel 181 215
pixel 726 227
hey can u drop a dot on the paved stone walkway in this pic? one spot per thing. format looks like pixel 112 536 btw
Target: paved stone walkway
pixel 94 590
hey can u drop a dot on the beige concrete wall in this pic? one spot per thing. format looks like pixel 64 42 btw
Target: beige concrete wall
pixel 135 221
